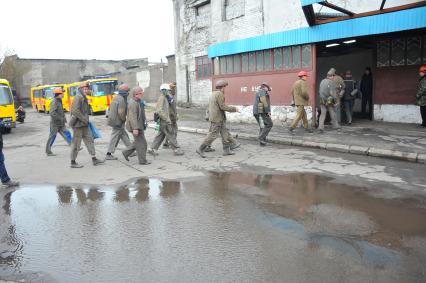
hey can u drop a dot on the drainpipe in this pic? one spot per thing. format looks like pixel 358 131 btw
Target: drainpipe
pixel 187 84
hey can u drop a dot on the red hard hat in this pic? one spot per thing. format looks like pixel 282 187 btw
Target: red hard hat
pixel 422 69
pixel 58 90
pixel 302 73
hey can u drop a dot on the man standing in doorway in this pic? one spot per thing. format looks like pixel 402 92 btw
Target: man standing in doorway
pixel 327 95
pixel 421 94
pixel 366 88
pixel 340 92
pixel 79 122
pixel 349 96
pixel 262 112
pixel 136 124
pixel 57 120
pixel 301 99
pixel 116 120
pixel 217 118
pixel 165 131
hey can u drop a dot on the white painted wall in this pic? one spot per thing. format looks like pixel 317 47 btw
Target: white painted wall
pixel 397 113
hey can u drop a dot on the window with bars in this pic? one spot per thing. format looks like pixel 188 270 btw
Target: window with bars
pixel 397 52
pixel 278 59
pixel 203 67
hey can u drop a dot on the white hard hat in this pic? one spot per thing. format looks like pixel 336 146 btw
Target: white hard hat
pixel 165 86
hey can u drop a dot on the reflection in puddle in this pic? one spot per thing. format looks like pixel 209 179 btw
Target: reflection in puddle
pixel 227 227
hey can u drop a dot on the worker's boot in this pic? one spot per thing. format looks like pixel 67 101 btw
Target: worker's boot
pixel 201 150
pixel 235 146
pixel 97 162
pixel 178 151
pixel 227 150
pixel 76 165
pixel 209 149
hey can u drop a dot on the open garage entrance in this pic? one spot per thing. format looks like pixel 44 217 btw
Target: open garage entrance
pixel 348 56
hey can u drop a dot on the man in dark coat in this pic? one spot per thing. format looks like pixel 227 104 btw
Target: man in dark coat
pixel 421 94
pixel 57 120
pixel 5 179
pixel 366 88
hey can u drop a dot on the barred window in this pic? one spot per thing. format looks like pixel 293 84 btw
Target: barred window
pixel 296 58
pixel 203 68
pixel 306 56
pixel 259 61
pixel 237 63
pixel 252 62
pixel 267 60
pixel 401 51
pixel 244 63
pixel 287 57
pixel 278 59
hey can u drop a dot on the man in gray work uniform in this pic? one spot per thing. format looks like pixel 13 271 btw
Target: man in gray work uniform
pixel 135 124
pixel 117 119
pixel 262 112
pixel 79 122
pixel 166 128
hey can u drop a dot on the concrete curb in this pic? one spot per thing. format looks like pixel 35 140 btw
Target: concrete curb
pixel 352 149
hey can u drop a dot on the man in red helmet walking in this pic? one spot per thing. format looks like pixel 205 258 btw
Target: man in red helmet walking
pixel 421 94
pixel 301 99
pixel 57 120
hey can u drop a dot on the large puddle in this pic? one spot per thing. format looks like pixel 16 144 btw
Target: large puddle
pixel 227 227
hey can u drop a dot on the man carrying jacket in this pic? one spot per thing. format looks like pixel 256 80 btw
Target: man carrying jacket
pixel 57 120
pixel 6 182
pixel 301 99
pixel 165 130
pixel 136 124
pixel 117 119
pixel 262 112
pixel 79 122
pixel 217 118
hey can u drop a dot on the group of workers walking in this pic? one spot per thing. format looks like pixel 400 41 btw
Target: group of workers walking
pixel 127 115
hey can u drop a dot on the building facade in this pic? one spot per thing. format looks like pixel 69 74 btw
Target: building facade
pixel 248 42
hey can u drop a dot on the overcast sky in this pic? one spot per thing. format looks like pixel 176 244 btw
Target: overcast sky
pixel 88 29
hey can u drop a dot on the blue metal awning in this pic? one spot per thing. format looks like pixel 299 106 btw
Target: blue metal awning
pixel 377 24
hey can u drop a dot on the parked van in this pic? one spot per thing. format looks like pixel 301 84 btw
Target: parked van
pixel 41 97
pixel 101 93
pixel 72 91
pixel 36 98
pixel 7 106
